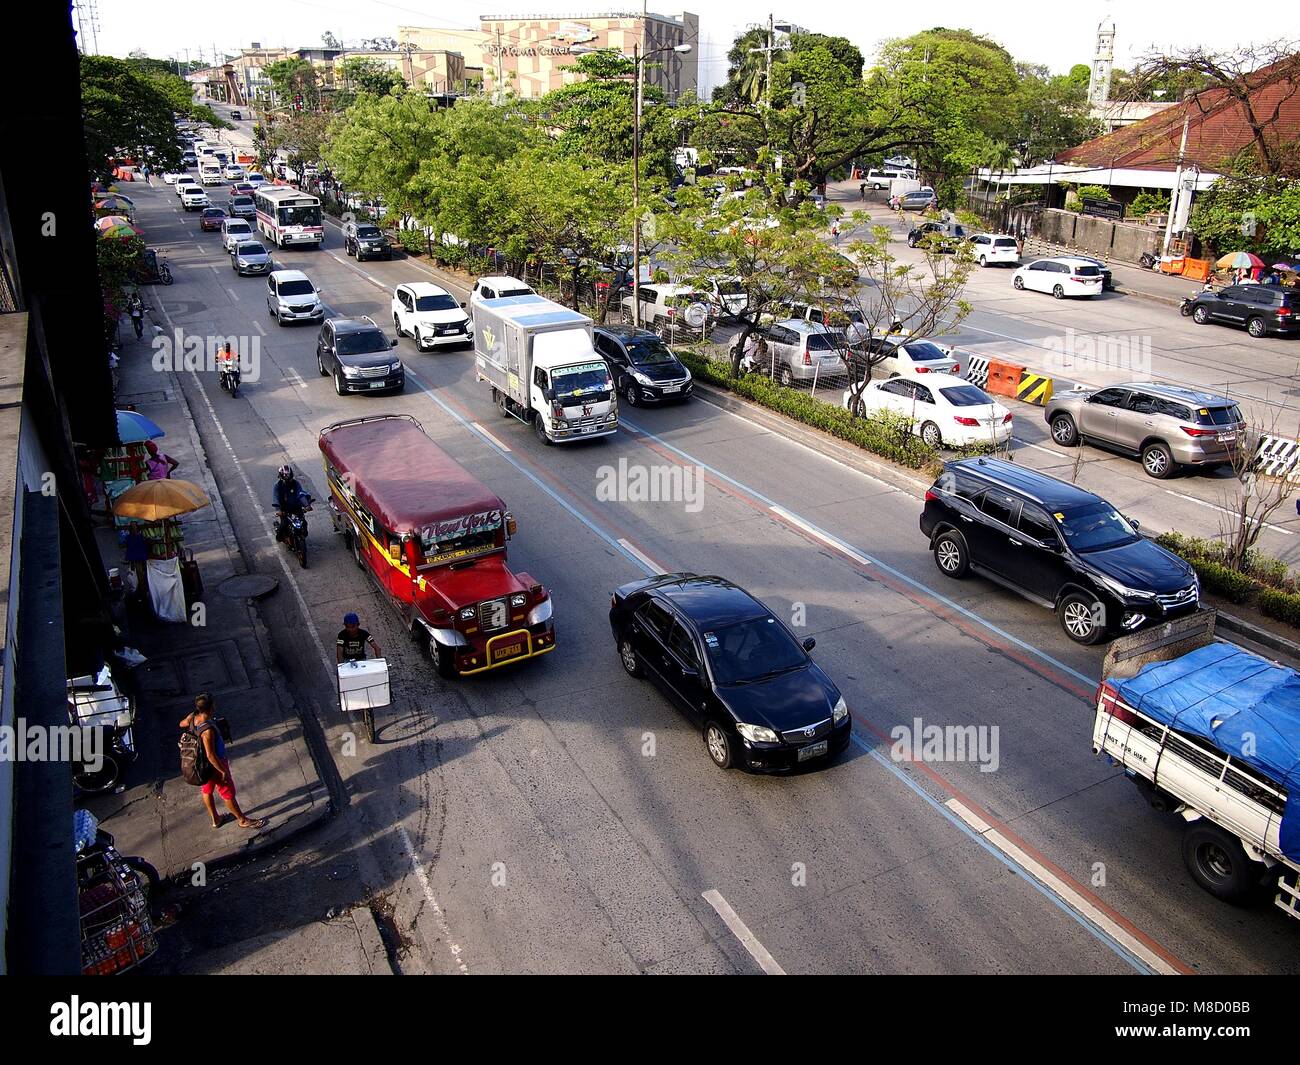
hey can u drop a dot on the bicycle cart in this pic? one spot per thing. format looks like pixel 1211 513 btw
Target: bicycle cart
pixel 363 689
pixel 113 893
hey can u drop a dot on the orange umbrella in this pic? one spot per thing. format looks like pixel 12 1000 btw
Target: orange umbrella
pixel 157 500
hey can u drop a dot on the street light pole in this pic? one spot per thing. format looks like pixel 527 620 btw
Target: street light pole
pixel 636 191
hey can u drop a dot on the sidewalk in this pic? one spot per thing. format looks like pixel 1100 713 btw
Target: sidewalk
pixel 158 815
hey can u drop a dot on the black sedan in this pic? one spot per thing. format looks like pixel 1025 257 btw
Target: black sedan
pixel 734 668
pixel 643 367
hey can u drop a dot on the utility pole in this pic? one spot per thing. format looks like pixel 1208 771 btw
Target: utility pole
pixel 496 95
pixel 1176 193
pixel 636 189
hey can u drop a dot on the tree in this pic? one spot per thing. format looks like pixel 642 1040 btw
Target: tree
pixel 1052 113
pixel 746 70
pixel 365 74
pixel 329 40
pixel 1248 211
pixel 125 111
pixel 295 83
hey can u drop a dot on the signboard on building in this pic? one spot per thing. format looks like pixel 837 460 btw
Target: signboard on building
pixel 1112 209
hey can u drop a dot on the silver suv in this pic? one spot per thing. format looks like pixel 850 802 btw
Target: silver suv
pixel 1165 426
pixel 804 351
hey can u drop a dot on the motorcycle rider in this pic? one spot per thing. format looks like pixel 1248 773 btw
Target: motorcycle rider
pixel 135 308
pixel 288 500
pixel 227 366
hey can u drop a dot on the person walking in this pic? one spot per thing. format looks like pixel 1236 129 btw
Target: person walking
pixel 835 233
pixel 144 173
pixel 222 781
pixel 353 641
pixel 862 192
pixel 159 464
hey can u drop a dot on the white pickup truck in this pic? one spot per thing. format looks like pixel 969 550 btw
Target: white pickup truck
pixel 1211 732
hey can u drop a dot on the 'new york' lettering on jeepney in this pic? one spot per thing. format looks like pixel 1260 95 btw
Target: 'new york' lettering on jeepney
pixel 434 539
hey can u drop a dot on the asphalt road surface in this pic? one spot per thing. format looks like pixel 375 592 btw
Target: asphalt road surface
pixel 560 816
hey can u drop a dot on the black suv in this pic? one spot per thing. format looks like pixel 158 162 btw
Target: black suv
pixel 1262 309
pixel 942 236
pixel 735 669
pixel 359 356
pixel 643 367
pixel 1055 544
pixel 366 241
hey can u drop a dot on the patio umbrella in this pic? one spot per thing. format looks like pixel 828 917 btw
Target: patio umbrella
pixel 119 204
pixel 1239 260
pixel 157 500
pixel 132 427
pixel 115 227
pixel 1279 265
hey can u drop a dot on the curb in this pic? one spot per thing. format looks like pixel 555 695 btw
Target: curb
pixel 1258 634
pixel 372 942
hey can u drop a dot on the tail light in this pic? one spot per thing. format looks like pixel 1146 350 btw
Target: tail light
pixel 1284 312
pixel 956 368
pixel 1109 701
pixel 1007 418
pixel 807 359
pixel 931 495
pixel 921 369
pixel 966 421
pixel 1197 432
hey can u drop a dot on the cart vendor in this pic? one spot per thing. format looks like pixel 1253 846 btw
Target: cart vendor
pixel 352 641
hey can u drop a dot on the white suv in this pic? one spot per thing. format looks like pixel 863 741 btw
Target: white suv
pixel 672 308
pixel 995 248
pixel 193 198
pixel 1062 276
pixel 430 316
pixel 495 288
pixel 233 230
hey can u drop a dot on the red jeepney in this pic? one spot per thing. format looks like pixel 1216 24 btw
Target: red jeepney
pixel 434 539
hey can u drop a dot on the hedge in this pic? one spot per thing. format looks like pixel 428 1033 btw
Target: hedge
pixel 880 434
pixel 1229 583
pixel 1285 606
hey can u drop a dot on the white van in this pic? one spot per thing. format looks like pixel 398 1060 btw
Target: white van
pixel 209 171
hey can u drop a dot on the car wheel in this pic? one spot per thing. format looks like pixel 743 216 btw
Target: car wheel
pixel 951 555
pixel 627 655
pixel 279 319
pixel 397 325
pixel 1058 293
pixel 1157 461
pixel 718 744
pixel 911 242
pixel 1081 618
pixel 320 365
pixel 540 429
pixel 338 382
pixel 931 436
pixel 1200 316
pixel 1216 861
pixel 499 398
pixel 444 659
pixel 983 261
pixel 1256 327
pixel 1064 431
pixel 1018 282
pixel 633 395
pixel 786 377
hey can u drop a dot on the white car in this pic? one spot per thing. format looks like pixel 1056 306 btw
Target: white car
pixel 498 287
pixel 170 178
pixel 904 357
pixel 234 172
pixel 193 198
pixel 255 178
pixel 430 316
pixel 183 182
pixel 234 230
pixel 1063 276
pixel 943 410
pixel 991 248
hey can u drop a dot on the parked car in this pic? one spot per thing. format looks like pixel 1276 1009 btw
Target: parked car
pixel 291 297
pixel 431 316
pixel 942 236
pixel 237 115
pixel 193 198
pixel 881 179
pixel 740 675
pixel 241 207
pixel 1164 425
pixel 804 351
pixel 1260 309
pixel 917 200
pixel 643 367
pixel 840 314
pixel 233 230
pixel 250 257
pixel 211 219
pixel 729 296
pixel 670 308
pixel 358 355
pixel 944 410
pixel 992 249
pixel 904 357
pixel 1063 276
pixel 498 287
pixel 1056 544
pixel 365 241
pixel 1107 278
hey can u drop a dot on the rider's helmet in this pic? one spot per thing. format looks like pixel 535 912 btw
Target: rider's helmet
pixel 351 619
pixel 285 473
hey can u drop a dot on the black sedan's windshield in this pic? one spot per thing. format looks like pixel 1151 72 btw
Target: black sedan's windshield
pixel 1096 527
pixel 650 352
pixel 750 650
pixel 363 342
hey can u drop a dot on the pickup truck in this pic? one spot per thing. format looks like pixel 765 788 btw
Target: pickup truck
pixel 1210 732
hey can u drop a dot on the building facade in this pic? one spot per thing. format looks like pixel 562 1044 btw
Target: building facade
pixel 437 71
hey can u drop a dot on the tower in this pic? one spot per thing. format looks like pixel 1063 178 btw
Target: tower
pixel 1102 62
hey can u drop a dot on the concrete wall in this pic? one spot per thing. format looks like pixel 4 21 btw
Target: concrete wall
pixel 1102 237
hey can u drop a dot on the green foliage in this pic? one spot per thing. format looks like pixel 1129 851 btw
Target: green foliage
pixel 127 110
pixel 1246 212
pixel 1053 113
pixel 1219 579
pixel 1285 606
pixel 365 74
pixel 412 241
pixel 119 263
pixel 1147 201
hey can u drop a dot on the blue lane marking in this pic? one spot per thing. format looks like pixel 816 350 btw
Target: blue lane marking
pixel 1056 900
pixel 911 581
pixel 466 423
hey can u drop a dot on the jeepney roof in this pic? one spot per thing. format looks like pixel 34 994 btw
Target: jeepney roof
pixel 404 478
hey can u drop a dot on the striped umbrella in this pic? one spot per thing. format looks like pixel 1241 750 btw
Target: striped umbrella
pixel 119 204
pixel 115 227
pixel 1239 260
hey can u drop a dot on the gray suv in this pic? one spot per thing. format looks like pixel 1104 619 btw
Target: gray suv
pixel 1165 426
pixel 805 351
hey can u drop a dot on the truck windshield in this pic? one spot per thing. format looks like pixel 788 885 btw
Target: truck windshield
pixel 583 380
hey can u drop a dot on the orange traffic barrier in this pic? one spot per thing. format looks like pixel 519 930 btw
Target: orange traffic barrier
pixel 1004 378
pixel 1197 269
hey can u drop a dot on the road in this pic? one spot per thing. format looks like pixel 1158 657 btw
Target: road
pixel 516 822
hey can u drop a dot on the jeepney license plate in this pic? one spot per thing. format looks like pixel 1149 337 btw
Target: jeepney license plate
pixel 813 750
pixel 671 388
pixel 512 650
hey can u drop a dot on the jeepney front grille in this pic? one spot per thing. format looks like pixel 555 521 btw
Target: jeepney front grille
pixel 493 615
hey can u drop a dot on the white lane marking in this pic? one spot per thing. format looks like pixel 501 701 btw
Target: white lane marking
pixel 258 326
pixel 818 534
pixel 490 437
pixel 1071 897
pixel 295 378
pixel 231 292
pixel 741 931
pixel 1225 510
pixel 440 918
pixel 1038 447
pixel 641 556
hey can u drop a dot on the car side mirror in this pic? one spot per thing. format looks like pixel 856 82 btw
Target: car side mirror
pixel 548 394
pixel 1134 522
pixel 462 303
pixel 809 644
pixel 392 342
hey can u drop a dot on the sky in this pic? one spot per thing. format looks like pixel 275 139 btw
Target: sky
pixel 1055 34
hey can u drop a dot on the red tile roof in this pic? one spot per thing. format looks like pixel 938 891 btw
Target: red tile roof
pixel 1218 128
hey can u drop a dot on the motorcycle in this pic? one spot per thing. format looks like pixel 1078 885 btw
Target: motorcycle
pixel 229 377
pixel 106 718
pixel 1188 306
pixel 116 896
pixel 295 535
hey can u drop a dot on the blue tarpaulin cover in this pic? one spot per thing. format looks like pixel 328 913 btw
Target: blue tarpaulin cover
pixel 1238 701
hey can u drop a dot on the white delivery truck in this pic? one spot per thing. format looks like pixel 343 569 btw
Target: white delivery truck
pixel 901 186
pixel 538 357
pixel 1210 732
pixel 209 170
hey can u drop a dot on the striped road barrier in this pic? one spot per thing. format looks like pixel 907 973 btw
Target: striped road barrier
pixel 977 370
pixel 1034 388
pixel 1276 457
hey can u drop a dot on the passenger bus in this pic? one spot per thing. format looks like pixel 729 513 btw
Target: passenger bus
pixel 434 539
pixel 286 216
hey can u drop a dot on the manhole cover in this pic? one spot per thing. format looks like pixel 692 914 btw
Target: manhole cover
pixel 248 586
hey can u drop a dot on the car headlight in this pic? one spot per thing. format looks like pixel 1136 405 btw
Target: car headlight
pixel 518 600
pixel 396 366
pixel 467 613
pixel 349 371
pixel 540 613
pixel 1123 591
pixel 840 712
pixel 757 733
pixel 641 378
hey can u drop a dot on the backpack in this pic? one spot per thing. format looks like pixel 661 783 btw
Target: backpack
pixel 196 769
